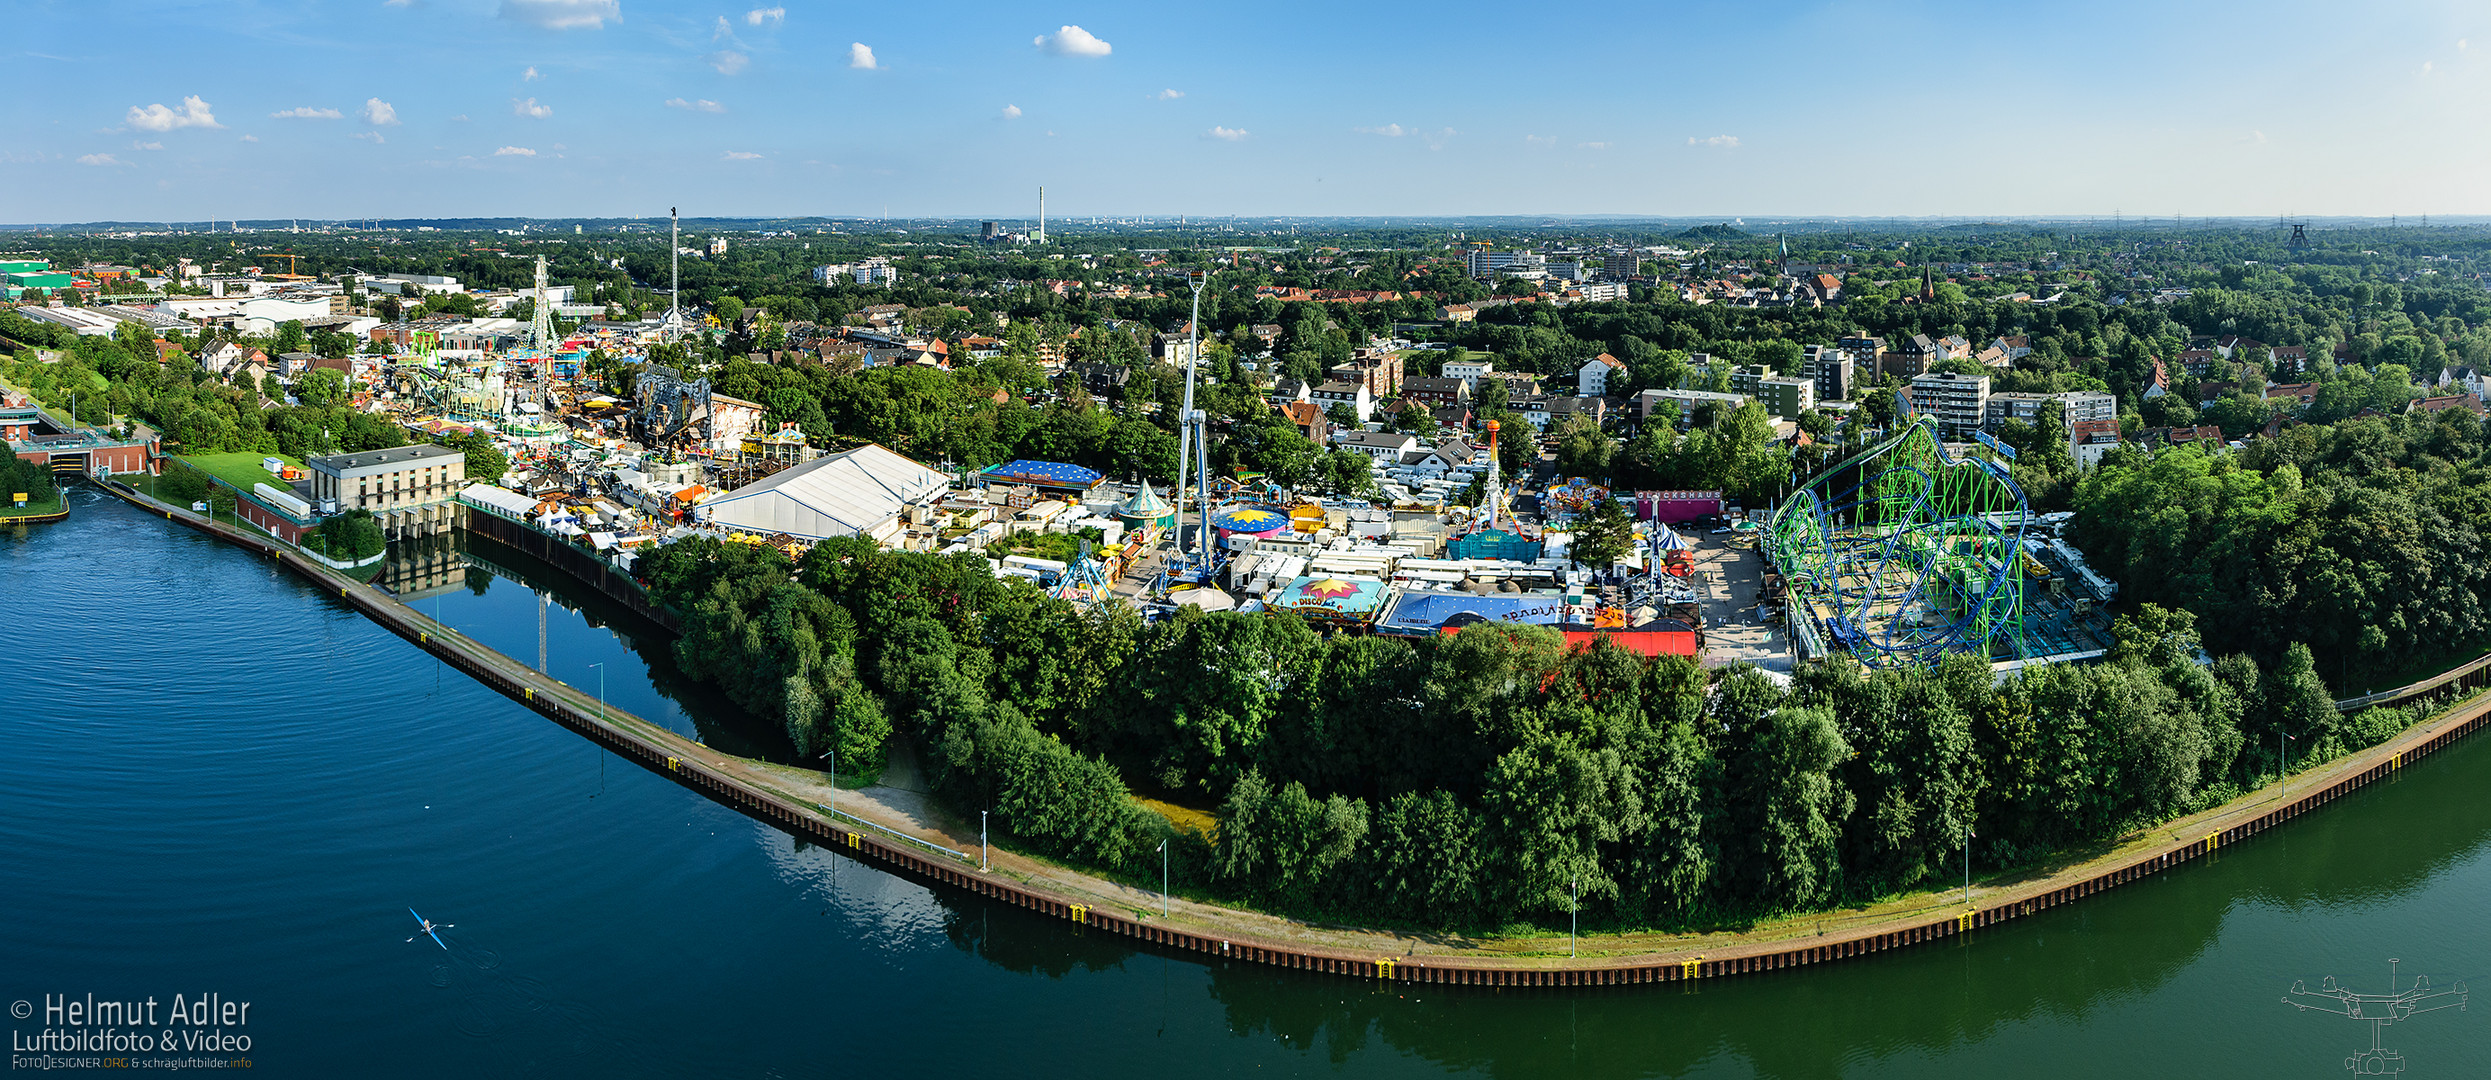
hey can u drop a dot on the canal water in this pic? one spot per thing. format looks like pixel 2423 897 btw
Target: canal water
pixel 220 781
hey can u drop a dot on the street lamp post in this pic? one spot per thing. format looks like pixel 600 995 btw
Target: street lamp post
pixel 832 796
pixel 1968 834
pixel 983 862
pixel 1163 879
pixel 1574 914
pixel 600 666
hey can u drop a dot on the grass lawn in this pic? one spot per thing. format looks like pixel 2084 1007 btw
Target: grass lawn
pixel 241 470
pixel 33 508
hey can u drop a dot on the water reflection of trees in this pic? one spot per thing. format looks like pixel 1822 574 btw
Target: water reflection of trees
pixel 1933 1000
pixel 459 557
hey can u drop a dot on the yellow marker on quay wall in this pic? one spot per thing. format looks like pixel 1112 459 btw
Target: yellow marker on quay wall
pixel 1384 968
pixel 1691 968
pixel 1081 913
pixel 2213 839
pixel 1963 922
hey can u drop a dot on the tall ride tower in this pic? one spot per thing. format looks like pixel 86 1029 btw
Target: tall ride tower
pixel 1042 213
pixel 674 264
pixel 541 328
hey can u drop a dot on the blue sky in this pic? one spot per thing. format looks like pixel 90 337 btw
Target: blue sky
pixel 182 109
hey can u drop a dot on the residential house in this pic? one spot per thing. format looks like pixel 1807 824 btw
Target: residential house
pixel 1451 454
pixel 2090 439
pixel 1436 393
pixel 1560 407
pixel 1910 357
pixel 2462 377
pixel 1354 395
pixel 1386 447
pixel 1686 401
pixel 1101 380
pixel 2159 383
pixel 1310 420
pixel 2302 394
pixel 2462 402
pixel 1469 371
pixel 1596 373
pixel 1518 384
pixel 1381 374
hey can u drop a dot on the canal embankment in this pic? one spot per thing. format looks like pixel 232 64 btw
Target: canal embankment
pixel 913 841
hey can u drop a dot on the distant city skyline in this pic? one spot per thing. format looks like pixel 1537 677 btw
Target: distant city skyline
pixel 618 108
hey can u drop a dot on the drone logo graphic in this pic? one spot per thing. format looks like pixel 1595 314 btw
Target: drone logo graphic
pixel 2379 1010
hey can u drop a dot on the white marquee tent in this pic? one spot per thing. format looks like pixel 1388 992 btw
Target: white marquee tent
pixel 860 492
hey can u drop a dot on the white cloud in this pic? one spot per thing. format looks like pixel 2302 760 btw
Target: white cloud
pixel 741 155
pixel 2461 46
pixel 702 105
pixel 1072 41
pixel 757 16
pixel 514 151
pixel 1011 112
pixel 379 113
pixel 1170 95
pixel 530 109
pixel 1389 131
pixel 100 159
pixel 727 61
pixel 1228 133
pixel 725 29
pixel 374 136
pixel 530 74
pixel 397 3
pixel 193 113
pixel 307 113
pixel 250 138
pixel 1539 140
pixel 563 14
pixel 861 56
pixel 2425 67
pixel 1726 142
pixel 459 119
pixel 1591 146
pixel 146 146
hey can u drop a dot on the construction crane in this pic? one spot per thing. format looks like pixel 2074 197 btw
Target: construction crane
pixel 294 268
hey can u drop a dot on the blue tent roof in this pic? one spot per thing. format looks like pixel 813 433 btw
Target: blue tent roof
pixel 1422 612
pixel 1049 473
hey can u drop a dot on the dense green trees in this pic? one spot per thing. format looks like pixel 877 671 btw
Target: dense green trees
pixel 18 475
pixel 2360 539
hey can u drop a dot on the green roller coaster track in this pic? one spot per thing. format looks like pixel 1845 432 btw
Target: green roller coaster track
pixel 1903 553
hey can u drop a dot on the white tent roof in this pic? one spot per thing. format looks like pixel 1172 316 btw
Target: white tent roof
pixel 843 494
